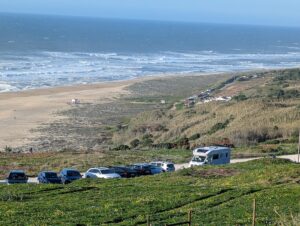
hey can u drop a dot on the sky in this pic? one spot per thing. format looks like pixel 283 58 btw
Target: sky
pixel 255 12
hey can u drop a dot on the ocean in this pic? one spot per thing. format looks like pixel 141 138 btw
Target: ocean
pixel 46 51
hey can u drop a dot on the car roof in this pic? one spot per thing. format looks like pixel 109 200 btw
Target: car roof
pixel 99 168
pixel 69 169
pixel 48 172
pixel 140 164
pixel 212 148
pixel 163 162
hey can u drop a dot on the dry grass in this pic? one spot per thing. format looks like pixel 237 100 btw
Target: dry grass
pixel 255 120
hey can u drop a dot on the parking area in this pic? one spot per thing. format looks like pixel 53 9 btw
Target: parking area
pixel 139 166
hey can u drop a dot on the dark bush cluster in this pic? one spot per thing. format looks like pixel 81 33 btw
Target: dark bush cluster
pixel 195 136
pixel 240 97
pixel 122 147
pixel 219 126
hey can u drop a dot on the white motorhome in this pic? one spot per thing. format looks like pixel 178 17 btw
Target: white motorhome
pixel 213 155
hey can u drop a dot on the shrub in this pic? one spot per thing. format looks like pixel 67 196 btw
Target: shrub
pixel 240 97
pixel 147 140
pixel 8 149
pixel 183 143
pixel 195 136
pixel 163 146
pixel 134 143
pixel 219 126
pixel 122 147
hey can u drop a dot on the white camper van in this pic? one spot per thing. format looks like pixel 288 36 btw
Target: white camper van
pixel 212 155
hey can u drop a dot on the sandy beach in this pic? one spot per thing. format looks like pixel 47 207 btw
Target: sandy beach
pixel 22 112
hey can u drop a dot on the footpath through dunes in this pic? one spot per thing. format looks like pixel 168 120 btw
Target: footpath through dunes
pixel 217 195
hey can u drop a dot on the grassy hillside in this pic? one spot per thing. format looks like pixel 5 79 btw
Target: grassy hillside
pixel 217 196
pixel 264 111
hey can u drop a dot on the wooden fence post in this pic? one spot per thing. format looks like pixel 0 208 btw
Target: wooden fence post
pixel 190 218
pixel 254 213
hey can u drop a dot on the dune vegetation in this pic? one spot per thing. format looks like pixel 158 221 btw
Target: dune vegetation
pixel 264 112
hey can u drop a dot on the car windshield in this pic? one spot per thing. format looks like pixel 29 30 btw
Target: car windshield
pixel 155 167
pixel 170 165
pixel 73 173
pixel 198 159
pixel 106 171
pixel 17 176
pixel 50 175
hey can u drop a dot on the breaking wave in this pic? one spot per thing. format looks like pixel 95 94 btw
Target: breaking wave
pixel 20 71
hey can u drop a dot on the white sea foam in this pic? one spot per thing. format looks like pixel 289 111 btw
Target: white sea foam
pixel 43 69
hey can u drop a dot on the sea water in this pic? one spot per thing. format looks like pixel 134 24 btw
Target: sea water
pixel 46 51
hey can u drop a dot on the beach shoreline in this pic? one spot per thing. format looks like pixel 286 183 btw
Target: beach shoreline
pixel 23 111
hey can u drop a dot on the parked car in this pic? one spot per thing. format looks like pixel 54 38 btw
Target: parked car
pixel 124 171
pixel 155 169
pixel 49 177
pixel 141 168
pixel 166 166
pixel 101 172
pixel 69 175
pixel 17 176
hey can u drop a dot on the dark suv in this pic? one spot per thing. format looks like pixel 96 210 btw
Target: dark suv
pixel 124 171
pixel 69 175
pixel 17 176
pixel 48 177
pixel 142 168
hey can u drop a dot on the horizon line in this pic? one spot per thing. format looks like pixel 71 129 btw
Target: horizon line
pixel 149 20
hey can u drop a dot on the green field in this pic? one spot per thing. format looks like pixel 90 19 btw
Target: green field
pixel 216 195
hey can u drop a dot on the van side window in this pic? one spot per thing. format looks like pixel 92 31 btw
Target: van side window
pixel 215 156
pixel 226 155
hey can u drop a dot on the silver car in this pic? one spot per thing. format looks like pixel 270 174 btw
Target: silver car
pixel 101 172
pixel 166 166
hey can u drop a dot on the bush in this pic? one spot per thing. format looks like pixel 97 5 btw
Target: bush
pixel 122 147
pixel 8 149
pixel 163 146
pixel 219 126
pixel 147 140
pixel 183 143
pixel 134 143
pixel 240 97
pixel 195 136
